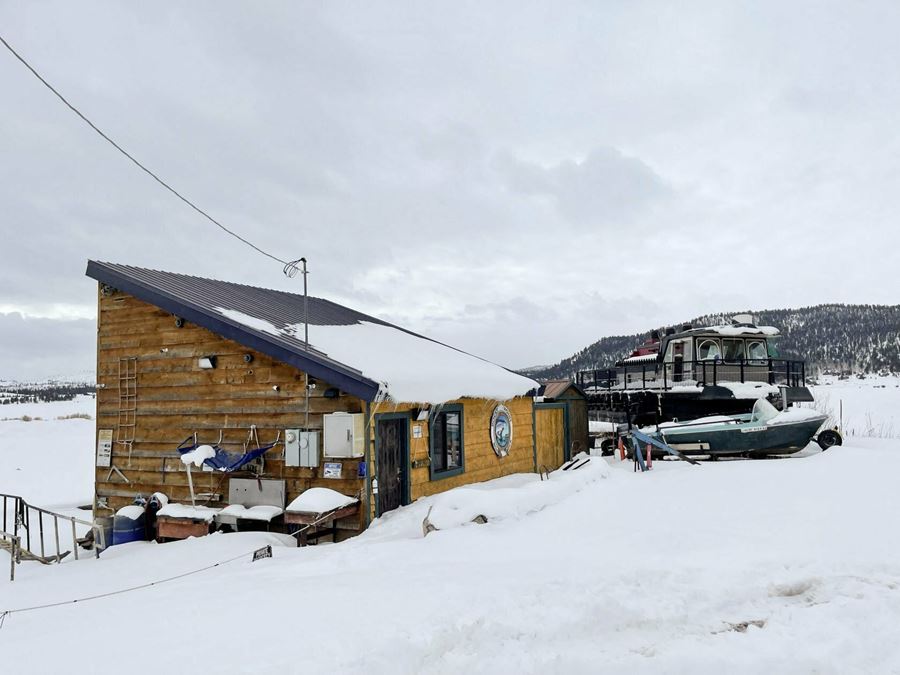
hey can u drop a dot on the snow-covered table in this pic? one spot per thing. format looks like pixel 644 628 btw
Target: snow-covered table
pixel 319 507
pixel 234 514
pixel 180 521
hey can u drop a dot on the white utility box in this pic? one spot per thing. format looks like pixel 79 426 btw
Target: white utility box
pixel 301 448
pixel 344 434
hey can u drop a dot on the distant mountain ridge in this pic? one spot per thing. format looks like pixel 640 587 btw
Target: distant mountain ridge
pixel 836 337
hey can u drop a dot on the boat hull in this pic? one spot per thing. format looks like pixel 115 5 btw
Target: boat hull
pixel 743 439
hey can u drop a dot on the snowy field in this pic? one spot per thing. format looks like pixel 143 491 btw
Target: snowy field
pixel 787 565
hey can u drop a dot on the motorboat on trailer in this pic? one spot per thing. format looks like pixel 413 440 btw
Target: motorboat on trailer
pixel 693 372
pixel 765 431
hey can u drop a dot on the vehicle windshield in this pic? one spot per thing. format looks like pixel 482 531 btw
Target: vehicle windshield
pixel 733 350
pixel 763 411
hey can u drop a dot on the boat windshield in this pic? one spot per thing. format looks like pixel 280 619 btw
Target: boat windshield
pixel 763 411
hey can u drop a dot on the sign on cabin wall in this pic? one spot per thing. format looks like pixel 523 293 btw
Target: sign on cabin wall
pixel 501 431
pixel 332 470
pixel 417 431
pixel 104 447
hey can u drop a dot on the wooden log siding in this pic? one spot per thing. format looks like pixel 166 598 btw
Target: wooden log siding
pixel 175 398
pixel 480 461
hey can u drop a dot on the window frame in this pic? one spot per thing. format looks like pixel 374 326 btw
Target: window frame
pixel 703 341
pixel 438 474
pixel 765 347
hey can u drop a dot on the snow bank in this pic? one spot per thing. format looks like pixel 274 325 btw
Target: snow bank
pixel 319 500
pixel 503 499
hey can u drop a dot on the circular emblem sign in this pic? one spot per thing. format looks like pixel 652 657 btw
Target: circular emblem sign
pixel 501 430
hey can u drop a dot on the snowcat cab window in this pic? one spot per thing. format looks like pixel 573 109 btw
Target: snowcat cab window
pixel 733 350
pixel 708 350
pixel 756 351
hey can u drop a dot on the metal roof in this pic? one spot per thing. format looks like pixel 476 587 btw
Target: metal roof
pixel 195 299
pixel 554 388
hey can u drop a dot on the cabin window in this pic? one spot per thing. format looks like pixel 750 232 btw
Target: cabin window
pixel 732 350
pixel 708 350
pixel 447 442
pixel 756 351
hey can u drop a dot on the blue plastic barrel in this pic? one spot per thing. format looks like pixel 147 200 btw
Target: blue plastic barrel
pixel 128 525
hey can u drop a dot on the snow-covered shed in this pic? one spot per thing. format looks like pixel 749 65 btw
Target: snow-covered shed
pixel 363 406
pixel 567 397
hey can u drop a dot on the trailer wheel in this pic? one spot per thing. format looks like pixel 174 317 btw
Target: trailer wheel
pixel 607 447
pixel 829 438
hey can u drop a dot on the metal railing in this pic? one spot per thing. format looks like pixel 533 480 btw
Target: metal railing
pixel 23 532
pixel 663 376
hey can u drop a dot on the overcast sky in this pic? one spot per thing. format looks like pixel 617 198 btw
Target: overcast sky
pixel 516 179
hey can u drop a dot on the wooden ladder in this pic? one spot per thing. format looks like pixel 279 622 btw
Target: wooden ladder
pixel 127 422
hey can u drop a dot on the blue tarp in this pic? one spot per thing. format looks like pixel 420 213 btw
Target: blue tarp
pixel 223 460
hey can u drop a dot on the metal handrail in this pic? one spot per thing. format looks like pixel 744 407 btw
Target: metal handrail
pixel 20 516
pixel 14 544
pixel 705 372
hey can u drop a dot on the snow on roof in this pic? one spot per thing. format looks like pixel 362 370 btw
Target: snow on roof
pixel 410 367
pixel 643 358
pixel 740 330
pixel 361 354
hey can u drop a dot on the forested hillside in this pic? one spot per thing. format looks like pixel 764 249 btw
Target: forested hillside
pixel 855 338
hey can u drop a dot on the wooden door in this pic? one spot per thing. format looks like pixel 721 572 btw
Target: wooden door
pixel 390 461
pixel 550 436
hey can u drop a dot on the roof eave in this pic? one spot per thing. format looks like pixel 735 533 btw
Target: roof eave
pixel 346 380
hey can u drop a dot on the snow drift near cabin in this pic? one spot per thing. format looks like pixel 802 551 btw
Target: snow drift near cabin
pixel 411 367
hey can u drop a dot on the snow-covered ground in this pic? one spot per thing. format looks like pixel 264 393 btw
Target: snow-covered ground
pixel 867 407
pixel 49 460
pixel 788 566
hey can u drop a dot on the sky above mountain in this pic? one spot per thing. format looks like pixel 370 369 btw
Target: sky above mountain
pixel 515 179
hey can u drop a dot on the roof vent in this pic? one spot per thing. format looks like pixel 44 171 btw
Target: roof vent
pixel 670 331
pixel 743 320
pixel 686 326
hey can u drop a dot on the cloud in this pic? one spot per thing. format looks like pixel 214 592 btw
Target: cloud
pixel 493 173
pixel 605 187
pixel 37 349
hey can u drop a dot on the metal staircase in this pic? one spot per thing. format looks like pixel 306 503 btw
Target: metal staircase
pixel 32 533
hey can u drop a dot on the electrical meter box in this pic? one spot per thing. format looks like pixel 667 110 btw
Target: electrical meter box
pixel 344 435
pixel 301 448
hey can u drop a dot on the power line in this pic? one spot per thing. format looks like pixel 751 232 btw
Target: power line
pixel 7 612
pixel 290 266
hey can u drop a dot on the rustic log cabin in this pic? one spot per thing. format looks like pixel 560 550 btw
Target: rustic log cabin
pixel 271 396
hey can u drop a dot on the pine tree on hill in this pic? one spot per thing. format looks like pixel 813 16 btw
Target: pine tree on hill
pixel 836 337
